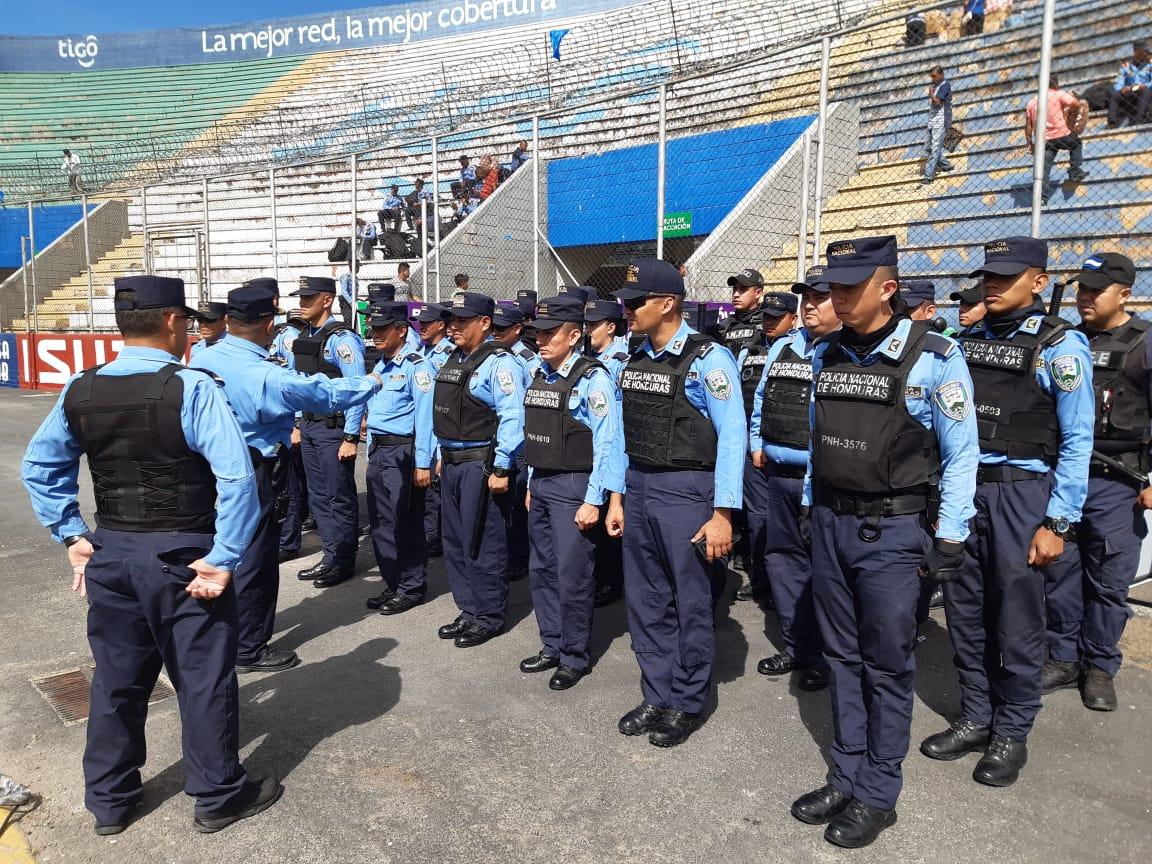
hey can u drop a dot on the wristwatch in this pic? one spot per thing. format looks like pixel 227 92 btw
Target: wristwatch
pixel 1058 526
pixel 351 439
pixel 500 472
pixel 76 538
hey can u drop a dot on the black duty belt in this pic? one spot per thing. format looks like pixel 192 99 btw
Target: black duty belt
pixel 855 505
pixel 391 440
pixel 787 472
pixel 467 454
pixel 333 420
pixel 1005 474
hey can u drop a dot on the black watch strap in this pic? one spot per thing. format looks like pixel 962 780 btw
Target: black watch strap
pixel 351 439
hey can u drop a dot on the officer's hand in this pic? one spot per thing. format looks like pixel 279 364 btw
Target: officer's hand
pixel 1145 498
pixel 439 466
pixel 528 501
pixel 587 516
pixel 497 485
pixel 758 458
pixel 210 582
pixel 347 451
pixel 421 477
pixel 79 554
pixel 717 534
pixel 295 437
pixel 377 379
pixel 943 561
pixel 614 519
pixel 1045 548
pixel 804 526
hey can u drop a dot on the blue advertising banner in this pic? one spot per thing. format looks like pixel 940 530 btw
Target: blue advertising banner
pixel 9 362
pixel 398 23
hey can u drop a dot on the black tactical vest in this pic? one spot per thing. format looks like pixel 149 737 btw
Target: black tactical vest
pixel 145 476
pixel 457 414
pixel 662 428
pixel 1119 376
pixel 742 329
pixel 751 368
pixel 784 414
pixel 865 442
pixel 309 350
pixel 554 440
pixel 1014 415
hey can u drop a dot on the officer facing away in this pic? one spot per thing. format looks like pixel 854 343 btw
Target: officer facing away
pixel 175 508
pixel 685 435
pixel 1087 605
pixel 432 323
pixel 892 419
pixel 294 480
pixel 1033 390
pixel 211 327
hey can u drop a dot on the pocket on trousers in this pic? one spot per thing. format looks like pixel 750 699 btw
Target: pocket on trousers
pixel 175 561
pixel 697 634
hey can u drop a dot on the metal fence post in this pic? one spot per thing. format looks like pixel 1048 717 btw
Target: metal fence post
pixel 275 235
pixel 354 250
pixel 423 250
pixel 88 265
pixel 1039 129
pixel 435 216
pixel 536 204
pixel 821 145
pixel 206 284
pixel 661 156
pixel 802 228
pixel 32 265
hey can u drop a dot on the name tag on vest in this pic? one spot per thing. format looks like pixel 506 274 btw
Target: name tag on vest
pixel 790 369
pixel 753 366
pixel 451 374
pixel 999 355
pixel 739 334
pixel 1103 359
pixel 855 385
pixel 539 398
pixel 640 381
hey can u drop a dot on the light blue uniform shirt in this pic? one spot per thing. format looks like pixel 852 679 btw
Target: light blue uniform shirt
pixel 498 382
pixel 412 343
pixel 1075 413
pixel 266 395
pixel 404 405
pixel 345 349
pixel 51 464
pixel 934 383
pixel 281 347
pixel 198 346
pixel 713 388
pixel 614 357
pixel 529 363
pixel 804 347
pixel 346 289
pixel 595 402
pixel 437 354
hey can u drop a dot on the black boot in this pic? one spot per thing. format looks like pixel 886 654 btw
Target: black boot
pixel 858 825
pixel 820 805
pixel 1057 675
pixel 962 737
pixel 1001 763
pixel 1098 693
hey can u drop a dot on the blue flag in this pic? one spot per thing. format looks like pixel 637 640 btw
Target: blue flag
pixel 555 36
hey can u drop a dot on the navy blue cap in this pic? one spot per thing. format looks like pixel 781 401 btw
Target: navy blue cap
pixel 917 291
pixel 263 282
pixel 381 292
pixel 310 285
pixel 526 300
pixel 851 262
pixel 969 296
pixel 603 310
pixel 427 313
pixel 470 304
pixel 651 276
pixel 507 314
pixel 814 280
pixel 152 292
pixel 1011 256
pixel 561 309
pixel 212 311
pixel 583 292
pixel 251 302
pixel 777 303
pixel 388 312
pixel 749 278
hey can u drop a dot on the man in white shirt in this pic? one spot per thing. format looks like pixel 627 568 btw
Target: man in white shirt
pixel 71 165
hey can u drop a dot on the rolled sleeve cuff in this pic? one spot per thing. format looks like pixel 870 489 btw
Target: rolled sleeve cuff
pixel 70 527
pixel 952 530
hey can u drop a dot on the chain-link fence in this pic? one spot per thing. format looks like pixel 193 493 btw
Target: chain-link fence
pixel 760 164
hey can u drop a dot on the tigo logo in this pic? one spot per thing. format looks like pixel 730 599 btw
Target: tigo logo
pixel 83 51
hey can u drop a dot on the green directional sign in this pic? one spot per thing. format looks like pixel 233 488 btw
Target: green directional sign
pixel 678 224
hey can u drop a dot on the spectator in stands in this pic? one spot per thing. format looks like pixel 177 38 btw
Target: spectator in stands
pixel 366 234
pixel 412 200
pixel 519 156
pixel 488 176
pixel 467 179
pixel 461 280
pixel 915 29
pixel 403 282
pixel 972 21
pixel 1132 91
pixel 71 166
pixel 939 119
pixel 392 210
pixel 468 205
pixel 971 304
pixel 1066 113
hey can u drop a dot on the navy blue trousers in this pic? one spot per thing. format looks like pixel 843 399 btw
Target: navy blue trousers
pixel 561 566
pixel 1087 594
pixel 668 590
pixel 141 619
pixel 297 489
pixel 257 576
pixel 479 586
pixel 756 522
pixel 395 519
pixel 995 609
pixel 518 547
pixel 432 511
pixel 865 599
pixel 790 566
pixel 331 492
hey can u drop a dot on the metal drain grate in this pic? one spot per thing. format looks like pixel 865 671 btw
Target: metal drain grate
pixel 68 693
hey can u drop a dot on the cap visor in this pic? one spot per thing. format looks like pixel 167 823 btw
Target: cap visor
pixel 465 313
pixel 629 293
pixel 776 313
pixel 1000 268
pixel 1094 280
pixel 848 275
pixel 801 287
pixel 197 314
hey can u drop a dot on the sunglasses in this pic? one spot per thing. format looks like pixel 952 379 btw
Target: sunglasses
pixel 634 303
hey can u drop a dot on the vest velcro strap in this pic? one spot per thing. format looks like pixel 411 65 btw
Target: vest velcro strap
pixel 852 505
pixel 1004 474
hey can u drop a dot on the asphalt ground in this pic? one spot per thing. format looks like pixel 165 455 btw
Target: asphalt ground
pixel 394 746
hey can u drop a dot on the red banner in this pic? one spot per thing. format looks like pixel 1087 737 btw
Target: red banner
pixel 48 360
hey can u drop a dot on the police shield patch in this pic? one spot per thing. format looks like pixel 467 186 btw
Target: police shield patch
pixel 718 384
pixel 1067 372
pixel 598 403
pixel 344 352
pixel 423 381
pixel 505 381
pixel 953 401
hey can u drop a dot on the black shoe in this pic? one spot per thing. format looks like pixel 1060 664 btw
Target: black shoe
pixel 565 677
pixel 745 592
pixel 333 577
pixel 936 600
pixel 820 805
pixel 308 523
pixel 451 631
pixel 1098 693
pixel 640 719
pixel 473 636
pixel 1001 763
pixel 606 596
pixel 380 599
pixel 515 574
pixel 107 829
pixel 673 728
pixel 777 664
pixel 400 603
pixel 541 662
pixel 1075 176
pixel 264 793
pixel 813 678
pixel 271 661
pixel 310 573
pixel 858 825
pixel 434 548
pixel 1058 675
pixel 962 737
pixel 288 555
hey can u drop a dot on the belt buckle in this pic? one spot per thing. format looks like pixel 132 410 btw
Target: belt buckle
pixel 868 532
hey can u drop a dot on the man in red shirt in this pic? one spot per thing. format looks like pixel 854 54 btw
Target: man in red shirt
pixel 1066 116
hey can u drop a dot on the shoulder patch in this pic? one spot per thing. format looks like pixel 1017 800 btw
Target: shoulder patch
pixel 414 357
pixel 953 400
pixel 598 403
pixel 215 378
pixel 1032 325
pixel 718 384
pixel 505 381
pixel 344 352
pixel 1067 372
pixel 423 380
pixel 705 349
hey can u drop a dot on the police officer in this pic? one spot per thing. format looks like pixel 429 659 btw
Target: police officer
pixel 742 327
pixel 329 441
pixel 401 450
pixel 779 435
pixel 479 423
pixel 1087 605
pixel 685 435
pixel 1033 392
pixel 891 418
pixel 970 304
pixel 574 449
pixel 265 398
pixel 176 506
pixel 211 327
pixel 295 484
pixel 432 324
